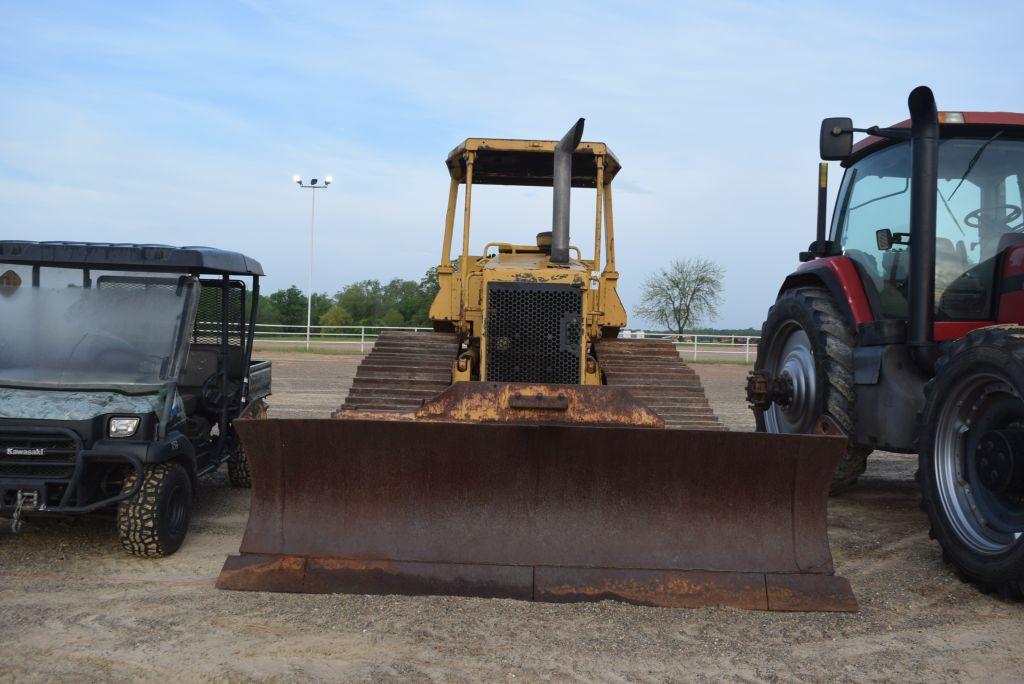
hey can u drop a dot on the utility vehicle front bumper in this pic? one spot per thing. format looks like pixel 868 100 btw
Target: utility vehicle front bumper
pixel 50 468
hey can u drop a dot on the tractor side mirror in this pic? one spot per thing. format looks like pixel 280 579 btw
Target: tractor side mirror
pixel 836 138
pixel 883 238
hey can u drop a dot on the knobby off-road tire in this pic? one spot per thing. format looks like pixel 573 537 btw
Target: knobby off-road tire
pixel 239 474
pixel 978 387
pixel 807 334
pixel 154 522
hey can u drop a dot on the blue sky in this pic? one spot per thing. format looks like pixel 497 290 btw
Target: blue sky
pixel 183 123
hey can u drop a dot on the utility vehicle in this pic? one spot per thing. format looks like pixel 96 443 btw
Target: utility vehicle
pixel 122 370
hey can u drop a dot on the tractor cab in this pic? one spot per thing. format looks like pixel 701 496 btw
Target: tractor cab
pixel 980 185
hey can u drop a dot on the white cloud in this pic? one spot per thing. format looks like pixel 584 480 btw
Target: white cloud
pixel 185 124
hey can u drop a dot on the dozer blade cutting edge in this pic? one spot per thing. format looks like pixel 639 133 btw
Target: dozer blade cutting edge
pixel 533 509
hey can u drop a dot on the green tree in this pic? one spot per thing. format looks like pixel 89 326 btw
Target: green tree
pixel 290 305
pixel 321 305
pixel 427 290
pixel 266 313
pixel 336 315
pixel 402 296
pixel 363 300
pixel 367 302
pixel 393 318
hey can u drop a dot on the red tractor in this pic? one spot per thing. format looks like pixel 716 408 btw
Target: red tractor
pixel 904 326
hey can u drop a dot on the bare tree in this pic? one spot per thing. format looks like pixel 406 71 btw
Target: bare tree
pixel 683 295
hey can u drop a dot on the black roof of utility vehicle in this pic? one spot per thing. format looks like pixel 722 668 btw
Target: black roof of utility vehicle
pixel 129 257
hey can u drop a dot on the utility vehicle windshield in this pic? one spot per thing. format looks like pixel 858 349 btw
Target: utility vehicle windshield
pixel 979 215
pixel 77 328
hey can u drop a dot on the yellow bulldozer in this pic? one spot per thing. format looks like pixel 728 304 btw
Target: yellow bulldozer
pixel 522 450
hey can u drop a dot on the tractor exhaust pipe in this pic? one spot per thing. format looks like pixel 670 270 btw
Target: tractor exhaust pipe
pixel 924 137
pixel 561 182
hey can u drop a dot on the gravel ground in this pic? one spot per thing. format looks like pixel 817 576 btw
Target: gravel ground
pixel 73 607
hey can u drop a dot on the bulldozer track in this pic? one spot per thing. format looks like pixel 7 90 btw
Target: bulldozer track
pixel 654 373
pixel 405 368
pixel 402 370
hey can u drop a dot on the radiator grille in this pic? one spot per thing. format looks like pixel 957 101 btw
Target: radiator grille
pixel 533 333
pixel 37 455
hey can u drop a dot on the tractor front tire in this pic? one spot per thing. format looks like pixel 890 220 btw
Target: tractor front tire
pixel 808 336
pixel 154 522
pixel 974 493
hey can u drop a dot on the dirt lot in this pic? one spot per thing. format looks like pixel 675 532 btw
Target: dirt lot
pixel 73 607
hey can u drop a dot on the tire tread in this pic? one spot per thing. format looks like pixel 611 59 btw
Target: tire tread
pixel 138 523
pixel 239 473
pixel 1011 339
pixel 835 336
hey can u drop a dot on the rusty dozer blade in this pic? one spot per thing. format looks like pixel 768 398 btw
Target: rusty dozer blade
pixel 536 509
pixel 521 402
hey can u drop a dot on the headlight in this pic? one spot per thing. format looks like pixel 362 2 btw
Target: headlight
pixel 123 427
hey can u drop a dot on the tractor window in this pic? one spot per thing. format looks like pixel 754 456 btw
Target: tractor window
pixel 958 292
pixel 876 196
pixel 978 216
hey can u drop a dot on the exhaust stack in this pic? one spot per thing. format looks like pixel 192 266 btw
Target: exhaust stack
pixel 562 185
pixel 924 135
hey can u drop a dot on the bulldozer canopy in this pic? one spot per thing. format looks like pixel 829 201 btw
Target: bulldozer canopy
pixel 528 162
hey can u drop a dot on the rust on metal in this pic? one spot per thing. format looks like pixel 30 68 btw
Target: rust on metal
pixel 253 572
pixel 804 592
pixel 255 410
pixel 540 511
pixel 826 425
pixel 513 402
pixel 758 394
pixel 312 575
pixel 540 400
pixel 405 369
pixel 678 589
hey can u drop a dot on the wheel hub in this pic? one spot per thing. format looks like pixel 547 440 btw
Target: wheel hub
pixel 786 389
pixel 1000 461
pixel 979 462
pixel 783 389
pixel 791 383
pixel 764 390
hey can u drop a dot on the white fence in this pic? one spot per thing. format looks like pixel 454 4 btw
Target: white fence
pixel 722 347
pixel 362 335
pixel 717 347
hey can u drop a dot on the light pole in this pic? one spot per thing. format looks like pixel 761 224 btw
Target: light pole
pixel 311 185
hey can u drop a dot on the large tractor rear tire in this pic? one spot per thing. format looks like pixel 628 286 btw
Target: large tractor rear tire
pixel 807 335
pixel 971 458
